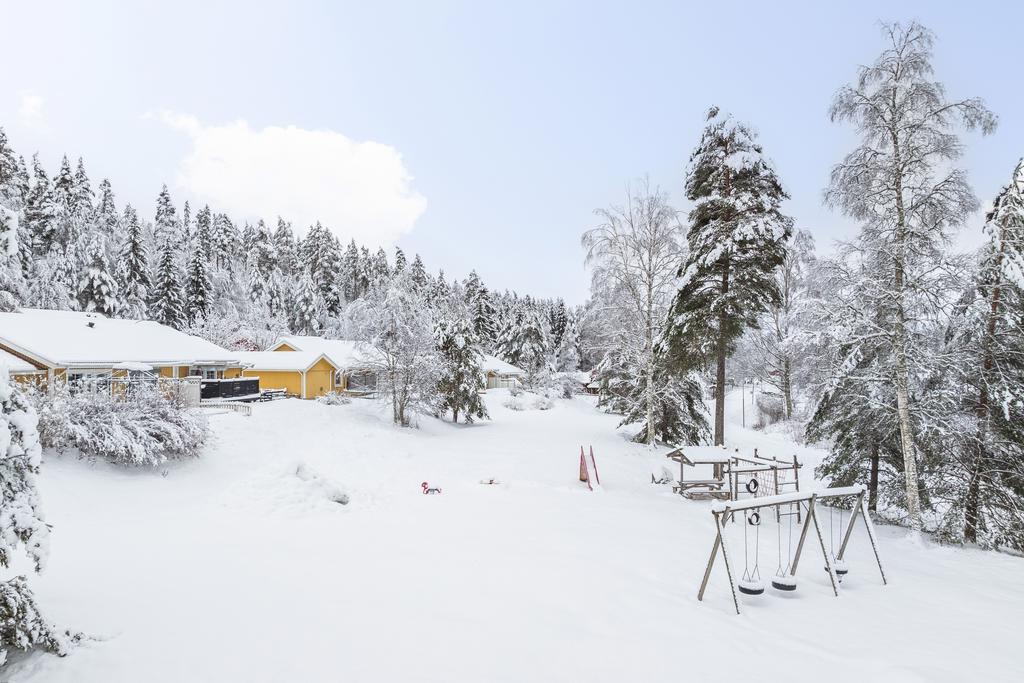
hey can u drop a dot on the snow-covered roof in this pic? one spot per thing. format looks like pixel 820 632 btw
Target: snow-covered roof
pixel 346 354
pixel 15 364
pixel 71 338
pixel 500 367
pixel 280 360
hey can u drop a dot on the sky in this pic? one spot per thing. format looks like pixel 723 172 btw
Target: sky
pixel 481 135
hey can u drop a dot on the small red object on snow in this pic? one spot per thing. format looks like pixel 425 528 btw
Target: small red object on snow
pixel 426 488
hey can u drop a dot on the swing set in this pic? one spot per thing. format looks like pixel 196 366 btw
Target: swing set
pixel 789 507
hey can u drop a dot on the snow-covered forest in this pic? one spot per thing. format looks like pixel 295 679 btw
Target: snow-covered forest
pixel 892 359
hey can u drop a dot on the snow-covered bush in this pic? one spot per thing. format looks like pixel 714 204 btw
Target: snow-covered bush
pixel 770 408
pixel 22 627
pixel 145 428
pixel 333 398
pixel 527 400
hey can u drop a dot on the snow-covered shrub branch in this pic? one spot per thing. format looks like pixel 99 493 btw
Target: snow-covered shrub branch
pixel 143 428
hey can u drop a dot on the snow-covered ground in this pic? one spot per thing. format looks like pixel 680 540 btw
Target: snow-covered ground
pixel 240 566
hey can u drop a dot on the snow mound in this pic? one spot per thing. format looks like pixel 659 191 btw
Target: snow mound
pixel 528 400
pixel 294 489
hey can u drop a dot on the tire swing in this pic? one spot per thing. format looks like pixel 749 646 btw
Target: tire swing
pixel 783 579
pixel 751 583
pixel 838 566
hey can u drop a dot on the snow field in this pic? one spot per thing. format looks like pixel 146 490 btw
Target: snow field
pixel 232 568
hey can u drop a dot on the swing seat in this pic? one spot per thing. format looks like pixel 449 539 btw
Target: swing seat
pixel 751 587
pixel 840 568
pixel 784 582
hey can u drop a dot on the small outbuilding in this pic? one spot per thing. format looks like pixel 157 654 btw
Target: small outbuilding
pixel 500 375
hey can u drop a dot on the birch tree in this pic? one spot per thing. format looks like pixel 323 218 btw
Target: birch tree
pixel 901 183
pixel 634 254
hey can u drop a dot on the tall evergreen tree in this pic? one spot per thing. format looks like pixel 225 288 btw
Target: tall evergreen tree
pixel 23 527
pixel 399 260
pixel 165 223
pixel 461 372
pixel 97 290
pixel 133 268
pixel 167 306
pixel 308 307
pixel 41 211
pixel 737 238
pixel 418 272
pixel 198 289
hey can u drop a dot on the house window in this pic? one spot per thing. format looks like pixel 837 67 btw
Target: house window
pixel 337 379
pixel 210 374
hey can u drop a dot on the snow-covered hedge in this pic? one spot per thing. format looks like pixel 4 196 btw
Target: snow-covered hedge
pixel 527 400
pixel 333 399
pixel 23 627
pixel 147 428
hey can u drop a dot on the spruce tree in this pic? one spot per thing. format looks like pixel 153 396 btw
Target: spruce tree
pixel 41 211
pixel 308 307
pixel 10 192
pixel 419 273
pixel 567 353
pixel 287 250
pixel 22 527
pixel 133 268
pixel 737 239
pixel 97 290
pixel 399 260
pixel 461 372
pixel 197 288
pixel 165 222
pixel 107 219
pixel 167 306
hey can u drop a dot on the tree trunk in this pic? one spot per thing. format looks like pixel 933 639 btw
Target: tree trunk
pixel 455 415
pixel 873 479
pixel 649 350
pixel 902 379
pixel 972 504
pixel 720 370
pixel 787 388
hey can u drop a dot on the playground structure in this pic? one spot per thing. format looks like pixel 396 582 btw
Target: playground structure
pixel 733 476
pixel 588 466
pixel 788 506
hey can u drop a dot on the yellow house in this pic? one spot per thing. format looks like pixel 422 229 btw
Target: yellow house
pixel 303 373
pixel 72 345
pixel 354 362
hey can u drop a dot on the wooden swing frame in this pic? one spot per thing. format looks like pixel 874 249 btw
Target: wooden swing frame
pixel 723 512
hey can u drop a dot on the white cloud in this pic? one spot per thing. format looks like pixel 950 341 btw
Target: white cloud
pixel 30 110
pixel 358 190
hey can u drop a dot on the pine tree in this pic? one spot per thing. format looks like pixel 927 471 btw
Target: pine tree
pixel 167 306
pixel 986 484
pixel 133 268
pixel 567 353
pixel 22 526
pixel 419 273
pixel 558 318
pixel 107 219
pixel 399 260
pixel 186 223
pixel 198 287
pixel 287 250
pixel 737 238
pixel 307 310
pixel 224 241
pixel 10 190
pixel 204 234
pixel 900 183
pixel 165 223
pixel 380 270
pixel 82 192
pixel 97 290
pixel 461 372
pixel 41 211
